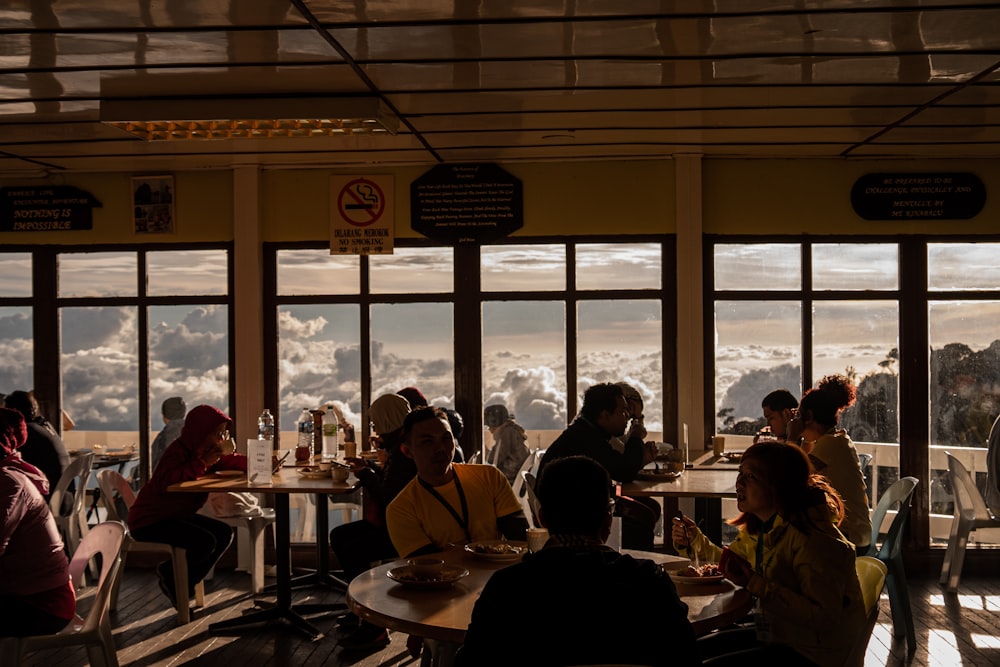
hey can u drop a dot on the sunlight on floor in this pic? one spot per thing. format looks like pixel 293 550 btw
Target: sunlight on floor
pixel 986 641
pixel 942 650
pixel 984 602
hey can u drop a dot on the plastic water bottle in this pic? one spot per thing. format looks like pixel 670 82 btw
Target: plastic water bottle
pixel 331 439
pixel 305 427
pixel 265 425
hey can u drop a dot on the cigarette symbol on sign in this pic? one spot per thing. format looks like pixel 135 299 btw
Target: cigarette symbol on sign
pixel 361 202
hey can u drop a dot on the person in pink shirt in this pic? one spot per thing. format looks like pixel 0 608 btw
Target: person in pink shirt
pixel 36 595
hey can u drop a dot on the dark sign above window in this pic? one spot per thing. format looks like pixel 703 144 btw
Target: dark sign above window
pixel 46 209
pixel 460 203
pixel 951 196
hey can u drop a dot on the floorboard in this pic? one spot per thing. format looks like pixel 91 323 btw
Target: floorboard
pixel 952 629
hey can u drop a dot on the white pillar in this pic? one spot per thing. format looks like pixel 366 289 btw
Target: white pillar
pixel 248 302
pixel 690 334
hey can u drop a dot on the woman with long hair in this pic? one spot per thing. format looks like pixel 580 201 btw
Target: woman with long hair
pixel 816 427
pixel 791 556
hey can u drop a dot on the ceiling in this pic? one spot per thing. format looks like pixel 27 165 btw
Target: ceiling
pixel 506 80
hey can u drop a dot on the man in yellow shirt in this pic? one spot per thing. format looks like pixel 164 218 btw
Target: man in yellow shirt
pixel 448 503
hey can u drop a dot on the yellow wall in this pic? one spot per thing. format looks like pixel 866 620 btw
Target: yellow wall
pixel 569 198
pixel 814 197
pixel 203 210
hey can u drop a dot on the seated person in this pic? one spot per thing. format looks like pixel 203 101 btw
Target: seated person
pixel 172 518
pixel 448 503
pixel 791 556
pixel 172 410
pixel 44 449
pixel 360 543
pixel 36 595
pixel 578 601
pixel 779 409
pixel 833 454
pixel 509 450
pixel 604 417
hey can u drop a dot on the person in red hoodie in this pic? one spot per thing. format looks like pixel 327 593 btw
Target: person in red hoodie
pixel 172 518
pixel 36 595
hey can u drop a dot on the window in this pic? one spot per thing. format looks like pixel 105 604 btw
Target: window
pixel 16 336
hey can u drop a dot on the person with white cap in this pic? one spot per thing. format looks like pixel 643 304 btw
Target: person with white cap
pixel 360 543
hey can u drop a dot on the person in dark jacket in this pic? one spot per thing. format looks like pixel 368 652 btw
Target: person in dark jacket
pixel 44 448
pixel 172 518
pixel 578 601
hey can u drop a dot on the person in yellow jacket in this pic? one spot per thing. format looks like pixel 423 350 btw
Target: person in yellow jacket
pixel 791 556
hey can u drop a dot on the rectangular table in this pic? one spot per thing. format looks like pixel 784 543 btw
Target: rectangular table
pixel 707 484
pixel 287 481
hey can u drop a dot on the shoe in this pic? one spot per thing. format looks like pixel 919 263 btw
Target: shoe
pixel 414 645
pixel 166 588
pixel 368 637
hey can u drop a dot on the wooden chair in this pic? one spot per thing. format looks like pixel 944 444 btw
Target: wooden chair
pixel 93 630
pixel 871 575
pixel 970 513
pixel 73 526
pixel 891 554
pixel 113 484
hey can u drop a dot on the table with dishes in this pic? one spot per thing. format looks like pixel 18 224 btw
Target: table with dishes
pixel 439 607
pixel 286 481
pixel 708 481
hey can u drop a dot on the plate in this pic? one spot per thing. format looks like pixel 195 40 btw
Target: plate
pixel 499 550
pixel 654 476
pixel 310 473
pixel 732 457
pixel 449 575
pixel 229 473
pixel 678 578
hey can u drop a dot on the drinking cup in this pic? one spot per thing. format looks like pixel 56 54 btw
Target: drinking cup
pixel 339 474
pixel 228 447
pixel 537 537
pixel 718 445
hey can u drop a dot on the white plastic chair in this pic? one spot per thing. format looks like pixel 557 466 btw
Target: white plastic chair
pixel 94 630
pixel 891 553
pixel 73 526
pixel 970 513
pixel 525 501
pixel 250 531
pixel 111 484
pixel 529 487
pixel 527 466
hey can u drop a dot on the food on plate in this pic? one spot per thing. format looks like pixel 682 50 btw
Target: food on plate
pixel 410 576
pixel 706 570
pixel 497 549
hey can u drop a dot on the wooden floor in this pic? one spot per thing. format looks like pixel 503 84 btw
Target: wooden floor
pixel 952 630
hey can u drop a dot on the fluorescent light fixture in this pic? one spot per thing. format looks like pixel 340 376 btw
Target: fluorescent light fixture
pixel 249 117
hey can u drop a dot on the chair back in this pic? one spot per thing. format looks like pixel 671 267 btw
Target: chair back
pixel 112 483
pixel 529 487
pixel 519 478
pixel 77 471
pixel 871 577
pixel 900 493
pixel 968 499
pixel 106 540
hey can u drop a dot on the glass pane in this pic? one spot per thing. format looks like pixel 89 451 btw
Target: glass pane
pixel 412 270
pixel 524 361
pixel 963 266
pixel 521 268
pixel 320 361
pixel 758 266
pixel 860 339
pixel 316 271
pixel 413 345
pixel 183 272
pixel 16 349
pixel 618 266
pixel 621 341
pixel 855 266
pixel 965 368
pixel 97 274
pixel 188 357
pixel 100 368
pixel 15 274
pixel 758 348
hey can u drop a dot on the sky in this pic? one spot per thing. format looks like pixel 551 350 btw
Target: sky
pixel 524 363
